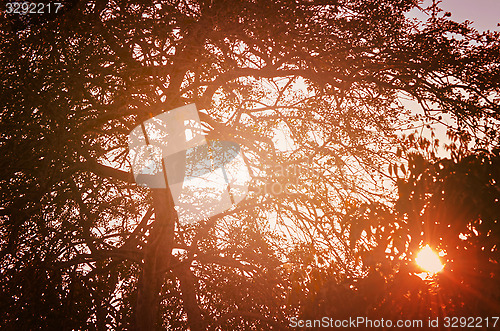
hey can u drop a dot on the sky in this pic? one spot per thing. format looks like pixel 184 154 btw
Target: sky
pixel 484 13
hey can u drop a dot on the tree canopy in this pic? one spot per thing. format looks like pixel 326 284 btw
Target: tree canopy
pixel 348 181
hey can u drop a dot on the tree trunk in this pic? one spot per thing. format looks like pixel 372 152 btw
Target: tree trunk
pixel 158 252
pixel 189 299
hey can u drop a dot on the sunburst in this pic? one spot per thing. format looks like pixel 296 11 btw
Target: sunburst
pixel 429 260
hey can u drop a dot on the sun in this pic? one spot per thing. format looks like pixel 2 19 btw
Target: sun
pixel 428 260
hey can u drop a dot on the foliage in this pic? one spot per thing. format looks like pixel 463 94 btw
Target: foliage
pixel 84 247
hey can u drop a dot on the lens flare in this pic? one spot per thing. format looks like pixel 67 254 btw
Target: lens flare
pixel 428 260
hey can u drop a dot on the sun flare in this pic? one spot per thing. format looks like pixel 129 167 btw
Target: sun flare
pixel 428 260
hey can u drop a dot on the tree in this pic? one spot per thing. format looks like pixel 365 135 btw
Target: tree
pixel 86 248
pixel 451 204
